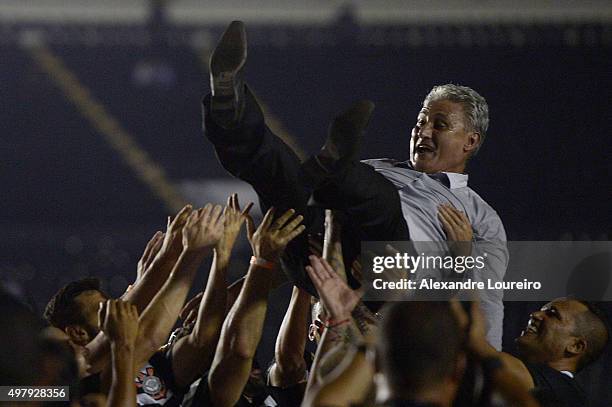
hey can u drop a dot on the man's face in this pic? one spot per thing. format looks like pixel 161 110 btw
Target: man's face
pixel 550 331
pixel 89 303
pixel 441 140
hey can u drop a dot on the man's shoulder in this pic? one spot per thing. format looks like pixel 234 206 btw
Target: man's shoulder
pixel 480 201
pixel 551 384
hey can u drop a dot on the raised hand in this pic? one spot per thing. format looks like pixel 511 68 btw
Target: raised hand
pixel 337 297
pixel 149 254
pixel 190 310
pixel 270 239
pixel 172 239
pixel 458 230
pixel 203 229
pixel 233 220
pixel 473 324
pixel 119 322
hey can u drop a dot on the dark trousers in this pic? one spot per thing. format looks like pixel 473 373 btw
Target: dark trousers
pixel 369 204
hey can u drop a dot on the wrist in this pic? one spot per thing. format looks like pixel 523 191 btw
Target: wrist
pixel 222 258
pixel 269 255
pixel 262 262
pixel 337 321
pixel 194 252
pixel 122 347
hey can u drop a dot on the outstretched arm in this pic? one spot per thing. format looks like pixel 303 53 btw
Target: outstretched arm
pixel 348 378
pixel 119 321
pixel 513 379
pixel 201 232
pixel 290 367
pixel 192 354
pixel 158 260
pixel 148 283
pixel 334 343
pixel 242 328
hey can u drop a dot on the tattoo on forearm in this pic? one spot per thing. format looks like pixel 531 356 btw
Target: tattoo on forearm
pixel 364 318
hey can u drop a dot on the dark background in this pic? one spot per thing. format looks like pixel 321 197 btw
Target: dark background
pixel 71 206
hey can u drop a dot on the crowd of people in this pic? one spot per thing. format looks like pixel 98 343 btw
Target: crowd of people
pixel 124 351
pixel 154 346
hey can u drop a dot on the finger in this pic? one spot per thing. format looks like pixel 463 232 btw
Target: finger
pixel 317 264
pixel 453 215
pixel 458 217
pixel 293 224
pixel 125 308
pixel 235 204
pixel 314 277
pixel 216 214
pixel 158 243
pixel 191 316
pixel 295 233
pixel 101 314
pixel 155 248
pixel 192 219
pixel 247 208
pixel 250 227
pixel 121 308
pixel 205 213
pixel 150 244
pixel 283 219
pixel 329 269
pixel 192 303
pixel 148 251
pixel 181 217
pixel 111 310
pixel 447 223
pixel 267 220
pixel 133 311
pixel 448 228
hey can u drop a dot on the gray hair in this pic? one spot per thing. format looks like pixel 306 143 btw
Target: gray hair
pixel 474 105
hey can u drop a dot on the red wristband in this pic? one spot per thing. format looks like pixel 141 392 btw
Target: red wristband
pixel 332 324
pixel 263 263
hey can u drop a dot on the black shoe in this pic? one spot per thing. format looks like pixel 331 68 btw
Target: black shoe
pixel 344 136
pixel 226 75
pixel 341 146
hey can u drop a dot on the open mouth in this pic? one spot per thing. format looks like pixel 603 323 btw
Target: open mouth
pixel 531 329
pixel 425 148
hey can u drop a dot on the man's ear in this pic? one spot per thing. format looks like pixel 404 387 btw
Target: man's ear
pixel 77 334
pixel 577 346
pixel 472 143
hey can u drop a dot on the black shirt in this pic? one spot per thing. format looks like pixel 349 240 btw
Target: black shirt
pixel 553 388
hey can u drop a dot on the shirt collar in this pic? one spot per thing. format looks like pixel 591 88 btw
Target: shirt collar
pixel 456 179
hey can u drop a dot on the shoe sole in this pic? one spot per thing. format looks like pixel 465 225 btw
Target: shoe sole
pixel 227 60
